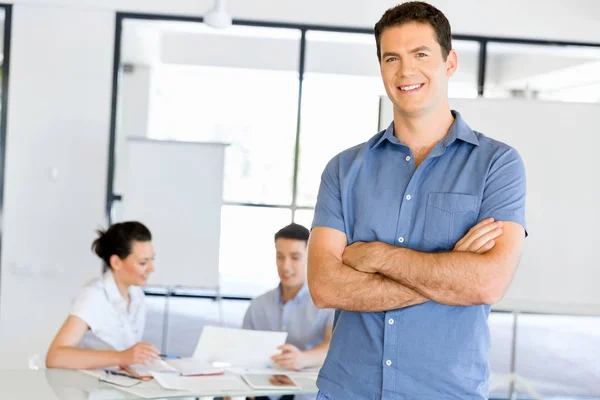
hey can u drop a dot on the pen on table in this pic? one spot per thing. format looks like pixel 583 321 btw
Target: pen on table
pixel 169 356
pixel 111 372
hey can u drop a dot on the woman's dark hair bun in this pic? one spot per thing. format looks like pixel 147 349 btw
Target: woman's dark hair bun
pixel 118 238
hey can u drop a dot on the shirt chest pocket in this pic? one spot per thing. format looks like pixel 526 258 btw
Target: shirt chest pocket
pixel 448 217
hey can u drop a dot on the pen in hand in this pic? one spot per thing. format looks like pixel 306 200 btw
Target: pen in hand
pixel 169 356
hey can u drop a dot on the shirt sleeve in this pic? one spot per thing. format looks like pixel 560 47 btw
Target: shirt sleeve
pixel 328 210
pixel 248 318
pixel 330 316
pixel 505 190
pixel 89 306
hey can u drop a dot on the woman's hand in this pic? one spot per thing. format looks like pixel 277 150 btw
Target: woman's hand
pixel 140 353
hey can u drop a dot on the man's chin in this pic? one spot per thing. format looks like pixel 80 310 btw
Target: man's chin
pixel 291 284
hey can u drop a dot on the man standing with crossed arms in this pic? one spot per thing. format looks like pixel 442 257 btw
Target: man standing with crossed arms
pixel 391 246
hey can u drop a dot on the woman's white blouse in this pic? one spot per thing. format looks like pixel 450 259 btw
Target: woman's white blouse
pixel 104 310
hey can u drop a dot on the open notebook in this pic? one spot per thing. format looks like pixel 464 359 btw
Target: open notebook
pixel 183 366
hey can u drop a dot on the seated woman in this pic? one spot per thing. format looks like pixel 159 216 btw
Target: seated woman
pixel 107 319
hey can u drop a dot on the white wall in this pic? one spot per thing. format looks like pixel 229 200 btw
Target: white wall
pixel 59 115
pixel 546 19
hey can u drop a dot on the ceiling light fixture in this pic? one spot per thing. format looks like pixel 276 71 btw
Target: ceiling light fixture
pixel 218 17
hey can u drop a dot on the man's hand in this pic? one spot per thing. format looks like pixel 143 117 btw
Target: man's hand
pixel 360 255
pixel 480 238
pixel 365 257
pixel 290 358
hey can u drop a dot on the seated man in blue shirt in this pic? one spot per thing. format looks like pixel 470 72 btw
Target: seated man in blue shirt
pixel 290 308
pixel 413 308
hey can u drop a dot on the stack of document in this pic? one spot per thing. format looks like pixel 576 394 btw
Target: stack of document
pixel 227 384
pixel 144 370
pixel 194 367
pixel 183 366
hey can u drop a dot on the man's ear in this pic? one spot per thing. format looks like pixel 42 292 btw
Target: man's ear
pixel 451 63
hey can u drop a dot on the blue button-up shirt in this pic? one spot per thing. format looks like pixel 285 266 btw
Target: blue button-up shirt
pixel 374 192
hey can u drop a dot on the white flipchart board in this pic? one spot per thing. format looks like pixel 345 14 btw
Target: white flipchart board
pixel 559 143
pixel 176 189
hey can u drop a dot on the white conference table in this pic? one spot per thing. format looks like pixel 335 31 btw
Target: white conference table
pixel 58 384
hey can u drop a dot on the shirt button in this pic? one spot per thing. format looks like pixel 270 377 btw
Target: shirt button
pixel 407 158
pixel 401 239
pixel 388 363
pixel 408 197
pixel 391 321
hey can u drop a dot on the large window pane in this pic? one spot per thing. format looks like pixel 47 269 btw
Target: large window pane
pixel 561 73
pixel 258 120
pixel 340 105
pixel 338 112
pixel 187 82
pixel 304 217
pixel 247 255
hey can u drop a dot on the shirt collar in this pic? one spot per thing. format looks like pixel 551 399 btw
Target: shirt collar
pixel 459 130
pixel 303 292
pixel 387 134
pixel 113 293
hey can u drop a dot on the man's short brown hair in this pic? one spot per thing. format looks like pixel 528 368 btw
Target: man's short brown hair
pixel 416 11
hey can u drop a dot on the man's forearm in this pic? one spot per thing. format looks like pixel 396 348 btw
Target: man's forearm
pixel 452 278
pixel 316 355
pixel 341 287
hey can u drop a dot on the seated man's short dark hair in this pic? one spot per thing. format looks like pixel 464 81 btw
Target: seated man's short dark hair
pixel 293 231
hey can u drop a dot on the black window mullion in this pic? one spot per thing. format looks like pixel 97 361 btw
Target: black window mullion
pixel 298 121
pixel 482 68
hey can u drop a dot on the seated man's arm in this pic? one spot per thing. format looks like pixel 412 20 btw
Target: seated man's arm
pixel 316 356
pixel 335 285
pixel 293 358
